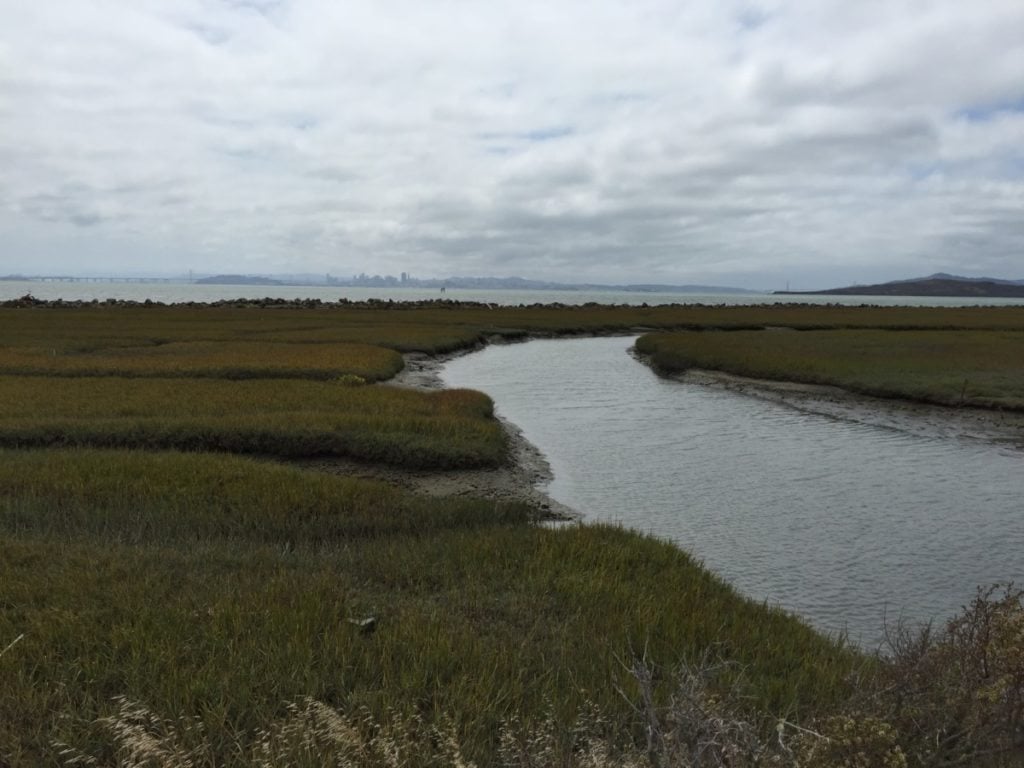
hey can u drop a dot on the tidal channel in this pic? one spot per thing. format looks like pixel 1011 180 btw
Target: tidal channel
pixel 849 525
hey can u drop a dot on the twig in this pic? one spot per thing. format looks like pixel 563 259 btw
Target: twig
pixel 795 727
pixel 13 643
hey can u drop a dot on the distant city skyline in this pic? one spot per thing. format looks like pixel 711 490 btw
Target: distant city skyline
pixel 747 143
pixel 501 282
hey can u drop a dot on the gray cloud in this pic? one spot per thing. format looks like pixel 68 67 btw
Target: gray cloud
pixel 730 142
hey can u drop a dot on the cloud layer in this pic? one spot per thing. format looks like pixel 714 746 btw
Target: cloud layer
pixel 720 141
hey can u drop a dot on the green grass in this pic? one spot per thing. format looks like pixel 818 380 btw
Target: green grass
pixel 134 497
pixel 288 418
pixel 976 368
pixel 221 588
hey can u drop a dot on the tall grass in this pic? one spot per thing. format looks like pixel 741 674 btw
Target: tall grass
pixel 197 591
pixel 208 359
pixel 134 497
pixel 977 368
pixel 290 418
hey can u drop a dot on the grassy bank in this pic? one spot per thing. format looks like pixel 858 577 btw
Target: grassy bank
pixel 208 359
pixel 286 418
pixel 975 368
pixel 222 588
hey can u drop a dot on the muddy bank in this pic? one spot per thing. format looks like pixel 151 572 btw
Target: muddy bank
pixel 522 480
pixel 903 415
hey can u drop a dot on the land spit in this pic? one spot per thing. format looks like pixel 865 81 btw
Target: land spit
pixel 522 479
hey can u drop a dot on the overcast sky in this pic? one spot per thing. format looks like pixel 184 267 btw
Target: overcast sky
pixel 819 142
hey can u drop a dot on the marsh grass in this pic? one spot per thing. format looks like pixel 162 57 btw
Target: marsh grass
pixel 208 359
pixel 443 328
pixel 135 497
pixel 198 592
pixel 975 368
pixel 217 588
pixel 289 418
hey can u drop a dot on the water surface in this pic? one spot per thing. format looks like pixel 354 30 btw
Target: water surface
pixel 846 524
pixel 177 292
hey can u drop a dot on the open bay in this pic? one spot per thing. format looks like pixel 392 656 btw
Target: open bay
pixel 180 292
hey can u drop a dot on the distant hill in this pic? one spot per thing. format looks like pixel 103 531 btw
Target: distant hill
pixel 939 284
pixel 947 276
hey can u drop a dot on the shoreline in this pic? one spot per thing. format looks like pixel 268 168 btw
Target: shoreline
pixel 908 416
pixel 521 480
pixel 1000 427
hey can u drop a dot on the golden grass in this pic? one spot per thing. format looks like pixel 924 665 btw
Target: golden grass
pixel 282 417
pixel 218 359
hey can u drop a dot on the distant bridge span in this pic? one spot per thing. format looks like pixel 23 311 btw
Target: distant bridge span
pixel 79 279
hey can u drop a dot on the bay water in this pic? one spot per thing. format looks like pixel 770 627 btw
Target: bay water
pixel 178 292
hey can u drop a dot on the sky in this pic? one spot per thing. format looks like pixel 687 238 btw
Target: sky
pixel 813 143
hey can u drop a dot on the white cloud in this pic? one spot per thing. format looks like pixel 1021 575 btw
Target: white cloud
pixel 719 142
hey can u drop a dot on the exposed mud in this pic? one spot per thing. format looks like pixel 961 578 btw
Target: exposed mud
pixel 905 416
